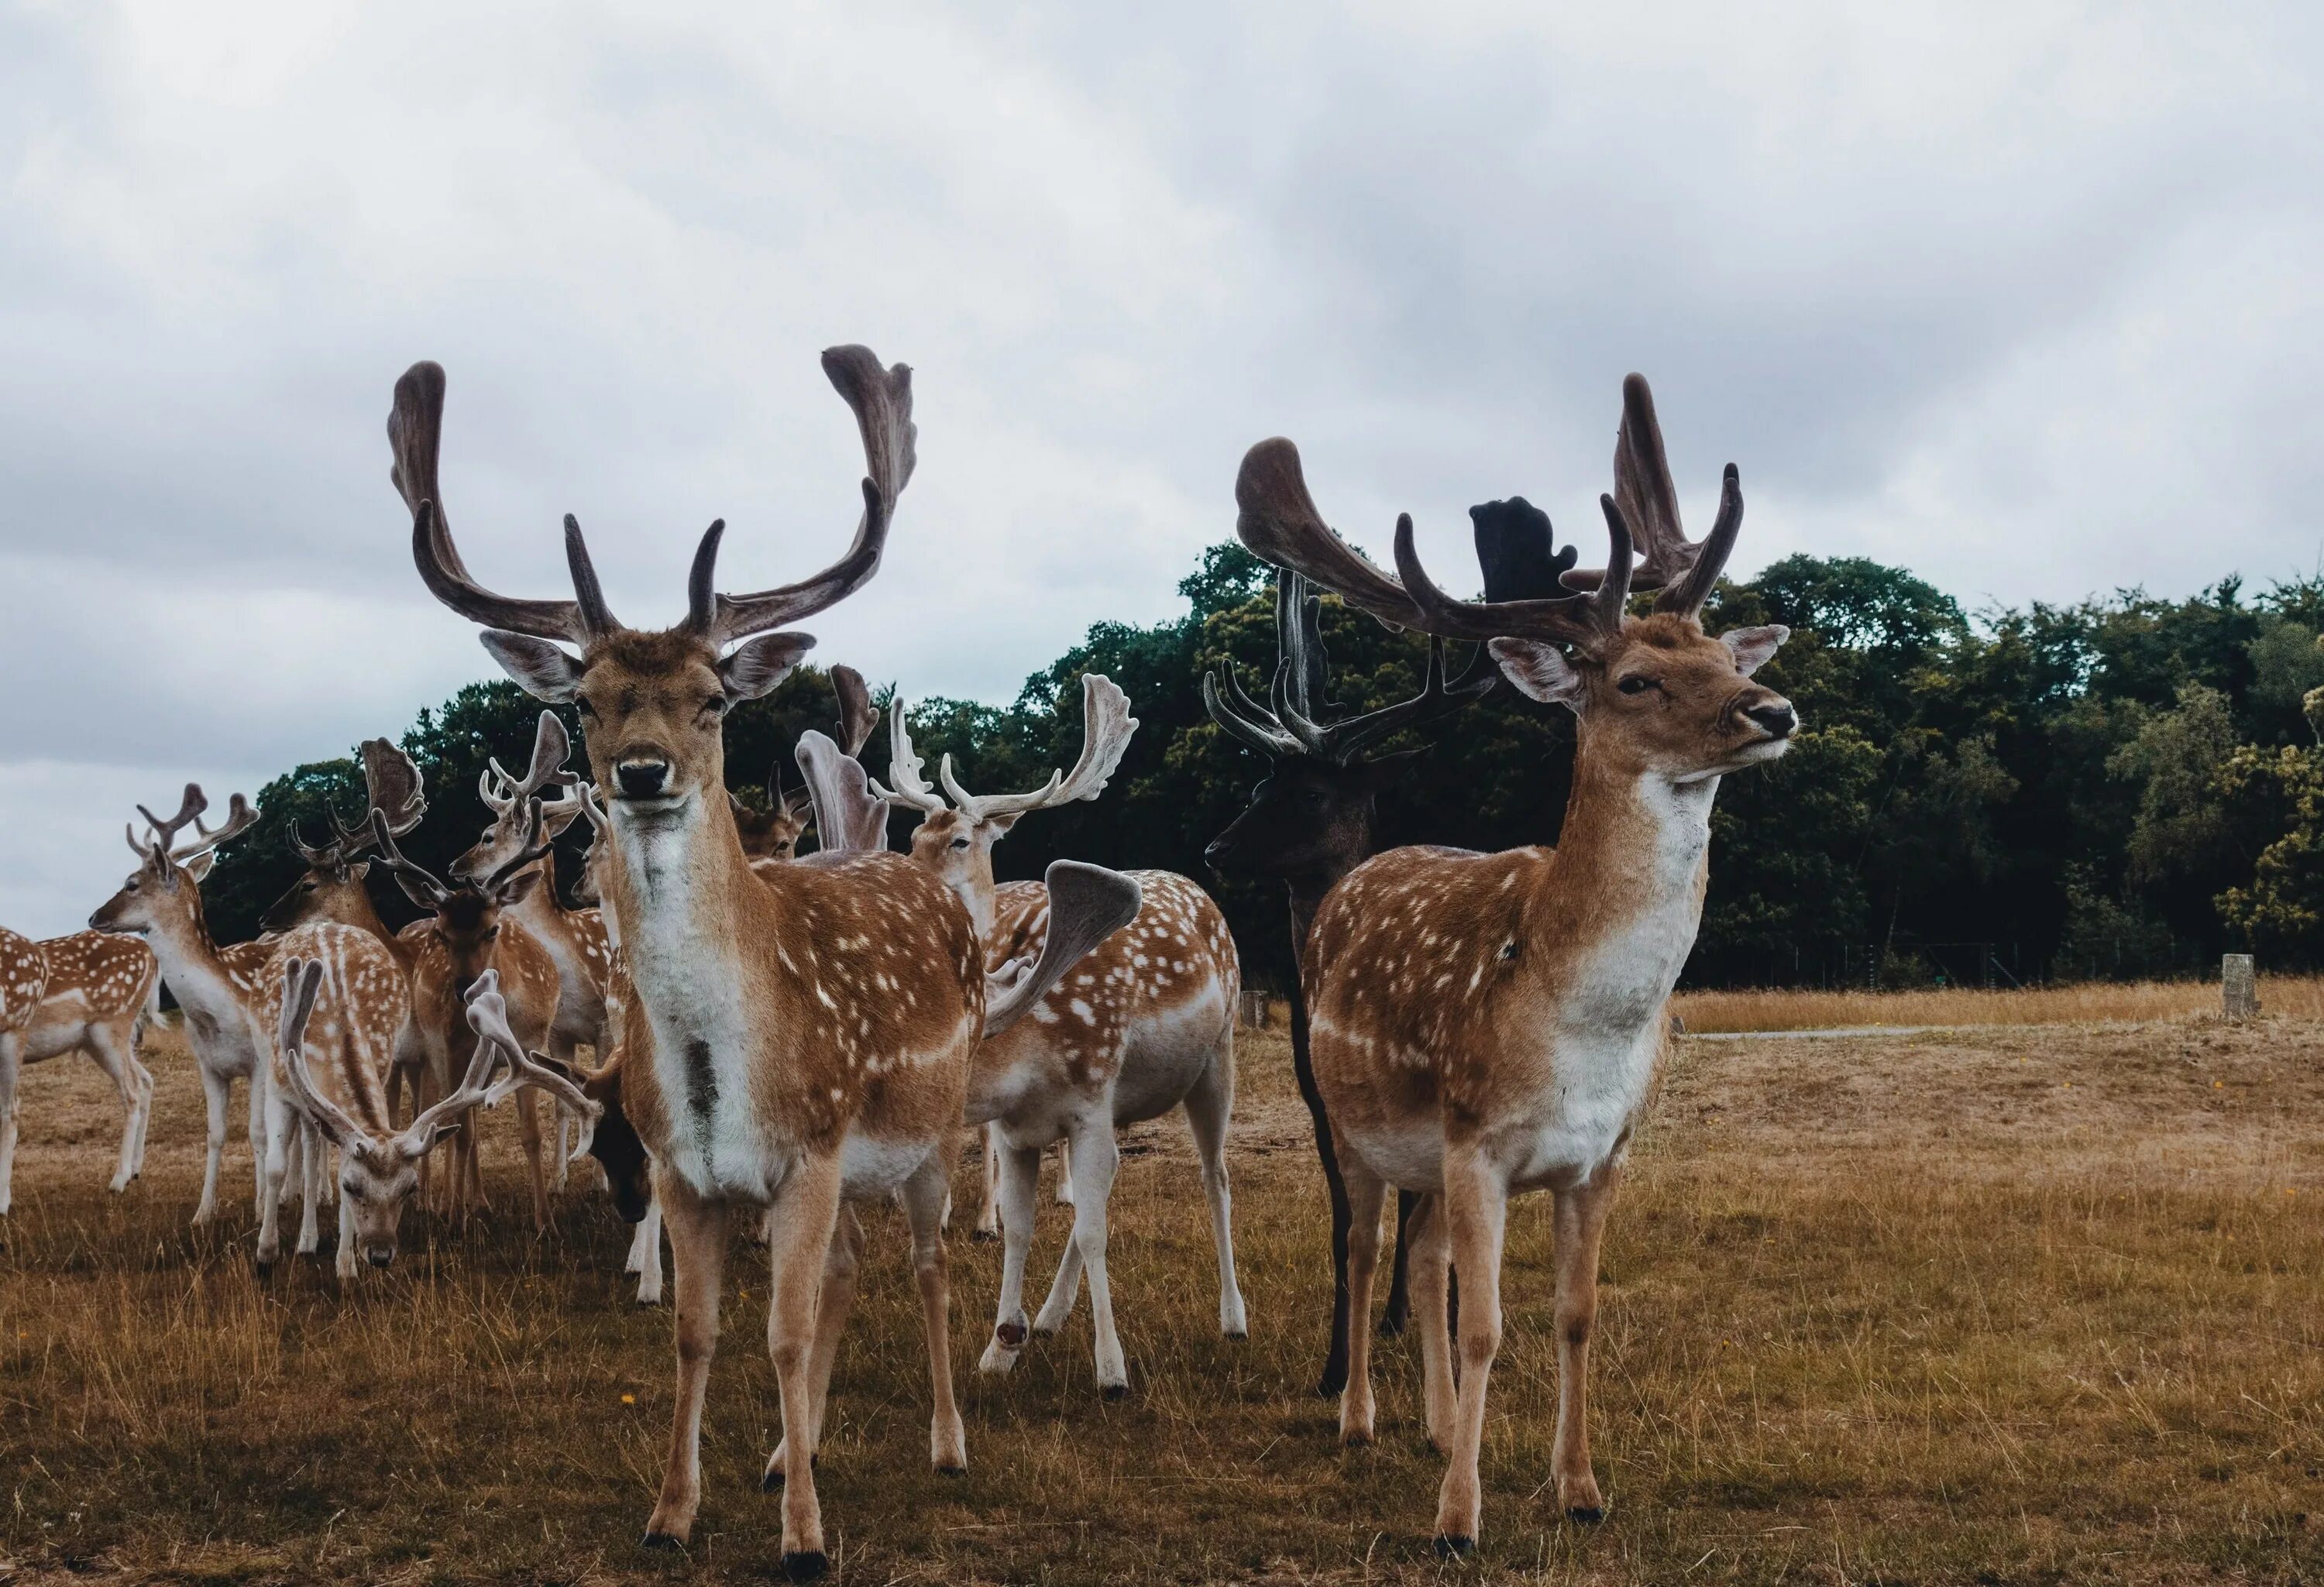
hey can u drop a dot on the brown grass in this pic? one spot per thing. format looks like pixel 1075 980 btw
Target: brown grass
pixel 2296 996
pixel 1990 1306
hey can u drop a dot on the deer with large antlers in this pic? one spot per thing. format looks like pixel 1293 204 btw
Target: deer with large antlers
pixel 798 1038
pixel 232 1007
pixel 1486 1025
pixel 78 994
pixel 1312 819
pixel 1143 1025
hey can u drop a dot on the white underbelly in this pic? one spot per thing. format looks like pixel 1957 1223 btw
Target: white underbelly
pixel 871 1167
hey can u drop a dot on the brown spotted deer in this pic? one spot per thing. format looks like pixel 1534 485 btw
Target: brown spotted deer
pixel 232 1005
pixel 1143 1025
pixel 1486 1025
pixel 473 928
pixel 1311 820
pixel 85 994
pixel 798 1038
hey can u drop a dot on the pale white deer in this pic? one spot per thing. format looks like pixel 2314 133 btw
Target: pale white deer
pixel 798 1038
pixel 85 993
pixel 1486 1025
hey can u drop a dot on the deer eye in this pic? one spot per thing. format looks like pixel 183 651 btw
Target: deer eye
pixel 715 705
pixel 1637 683
pixel 960 843
pixel 585 709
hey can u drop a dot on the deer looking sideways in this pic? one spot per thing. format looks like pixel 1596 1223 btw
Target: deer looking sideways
pixel 1144 1024
pixel 1485 1025
pixel 1311 821
pixel 85 993
pixel 798 1037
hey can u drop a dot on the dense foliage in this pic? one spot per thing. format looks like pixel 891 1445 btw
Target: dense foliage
pixel 2123 787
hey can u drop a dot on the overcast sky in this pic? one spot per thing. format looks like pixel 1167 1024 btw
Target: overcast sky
pixel 2022 297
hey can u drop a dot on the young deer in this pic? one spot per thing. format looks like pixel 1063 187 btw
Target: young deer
pixel 1311 820
pixel 1144 1024
pixel 798 1038
pixel 473 931
pixel 1485 1025
pixel 78 994
pixel 232 1007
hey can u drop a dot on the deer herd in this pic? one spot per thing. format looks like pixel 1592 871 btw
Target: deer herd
pixel 776 1040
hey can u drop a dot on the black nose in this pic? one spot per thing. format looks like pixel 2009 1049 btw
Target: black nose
pixel 1218 849
pixel 379 1256
pixel 1778 718
pixel 642 779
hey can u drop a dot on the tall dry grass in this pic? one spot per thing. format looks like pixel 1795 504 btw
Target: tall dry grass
pixel 1706 1012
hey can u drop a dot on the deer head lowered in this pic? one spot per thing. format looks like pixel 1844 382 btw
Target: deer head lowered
pixel 1486 1025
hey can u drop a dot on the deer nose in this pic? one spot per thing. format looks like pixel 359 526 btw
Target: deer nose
pixel 380 1256
pixel 643 778
pixel 1776 716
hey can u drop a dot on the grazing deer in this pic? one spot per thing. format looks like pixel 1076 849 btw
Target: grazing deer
pixel 1311 820
pixel 771 835
pixel 231 1003
pixel 346 1104
pixel 78 994
pixel 473 929
pixel 1144 1024
pixel 1485 1025
pixel 798 1037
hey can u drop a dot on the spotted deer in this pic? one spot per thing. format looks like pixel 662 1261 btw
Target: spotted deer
pixel 232 1007
pixel 1311 820
pixel 771 835
pixel 798 1038
pixel 1486 1025
pixel 1143 1025
pixel 78 994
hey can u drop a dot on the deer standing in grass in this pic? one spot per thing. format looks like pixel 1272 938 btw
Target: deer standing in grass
pixel 85 994
pixel 1486 1025
pixel 1144 1024
pixel 232 1005
pixel 798 1038
pixel 1312 819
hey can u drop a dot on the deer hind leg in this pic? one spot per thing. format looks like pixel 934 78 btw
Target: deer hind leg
pixel 215 1094
pixel 1581 1221
pixel 261 1128
pixel 344 1261
pixel 563 1049
pixel 11 1060
pixel 842 1264
pixel 805 1228
pixel 1020 1172
pixel 697 1243
pixel 925 1195
pixel 1096 1159
pixel 1209 1104
pixel 273 1168
pixel 1065 1173
pixel 527 1123
pixel 1476 1208
pixel 988 1209
pixel 645 1254
pixel 1398 1310
pixel 142 1079
pixel 1367 1194
pixel 122 1070
pixel 1427 1238
pixel 311 1184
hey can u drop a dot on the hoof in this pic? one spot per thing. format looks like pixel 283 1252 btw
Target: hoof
pixel 1586 1515
pixel 1357 1439
pixel 1112 1391
pixel 771 1482
pixel 985 1236
pixel 1455 1547
pixel 659 1540
pixel 265 1269
pixel 951 1471
pixel 1331 1387
pixel 808 1566
pixel 1010 1334
pixel 1237 1334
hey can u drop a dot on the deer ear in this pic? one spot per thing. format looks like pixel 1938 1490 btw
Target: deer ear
pixel 516 888
pixel 1754 646
pixel 540 668
pixel 198 867
pixel 1542 672
pixel 358 871
pixel 414 890
pixel 762 663
pixel 1383 771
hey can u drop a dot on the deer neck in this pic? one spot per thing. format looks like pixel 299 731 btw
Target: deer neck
pixel 190 961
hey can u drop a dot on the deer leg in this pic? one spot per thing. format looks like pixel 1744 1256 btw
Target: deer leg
pixel 563 1049
pixel 988 1211
pixel 1096 1159
pixel 528 1124
pixel 1366 1192
pixel 1427 1238
pixel 118 1067
pixel 344 1261
pixel 1398 1311
pixel 262 1125
pixel 1065 1173
pixel 1020 1169
pixel 1209 1103
pixel 836 1298
pixel 697 1241
pixel 645 1254
pixel 1476 1207
pixel 215 1096
pixel 11 1063
pixel 310 1188
pixel 805 1223
pixel 1581 1220
pixel 1336 1361
pixel 925 1195
pixel 273 1165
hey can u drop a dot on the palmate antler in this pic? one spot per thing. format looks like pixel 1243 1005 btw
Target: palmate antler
pixel 425 888
pixel 391 784
pixel 882 399
pixel 1107 727
pixel 551 747
pixel 240 818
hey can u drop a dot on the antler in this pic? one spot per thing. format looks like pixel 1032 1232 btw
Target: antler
pixel 301 980
pixel 857 715
pixel 420 1134
pixel 551 746
pixel 488 1018
pixel 851 812
pixel 882 401
pixel 1087 904
pixel 191 805
pixel 391 784
pixel 905 769
pixel 1106 729
pixel 1684 570
pixel 420 883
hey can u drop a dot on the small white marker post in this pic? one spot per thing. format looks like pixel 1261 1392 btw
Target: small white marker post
pixel 2238 987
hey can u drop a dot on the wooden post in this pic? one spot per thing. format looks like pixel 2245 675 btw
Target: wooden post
pixel 2238 987
pixel 1252 1014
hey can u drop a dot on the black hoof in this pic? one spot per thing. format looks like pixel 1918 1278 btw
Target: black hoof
pixel 1391 1326
pixel 983 1236
pixel 1455 1547
pixel 951 1471
pixel 771 1482
pixel 265 1269
pixel 1332 1386
pixel 1115 1391
pixel 659 1540
pixel 806 1567
pixel 1586 1515
pixel 1239 1336
pixel 1010 1334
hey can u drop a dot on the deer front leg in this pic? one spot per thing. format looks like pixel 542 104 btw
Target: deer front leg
pixel 1209 1105
pixel 310 1188
pixel 1065 1173
pixel 1096 1159
pixel 1398 1311
pixel 806 1215
pixel 1367 1192
pixel 925 1195
pixel 528 1124
pixel 261 1125
pixel 1476 1208
pixel 273 1168
pixel 645 1254
pixel 988 1209
pixel 1424 1237
pixel 1021 1173
pixel 10 1065
pixel 841 1264
pixel 124 1070
pixel 697 1243
pixel 344 1261
pixel 214 1097
pixel 1581 1221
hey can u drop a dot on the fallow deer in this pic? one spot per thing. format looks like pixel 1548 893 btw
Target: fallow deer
pixel 78 994
pixel 1311 820
pixel 799 1037
pixel 232 1006
pixel 1485 1025
pixel 473 929
pixel 1143 1025
pixel 771 835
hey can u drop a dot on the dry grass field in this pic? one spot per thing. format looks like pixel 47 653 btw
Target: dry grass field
pixel 1982 1306
pixel 2299 997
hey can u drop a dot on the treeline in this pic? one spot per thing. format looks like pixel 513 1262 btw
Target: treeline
pixel 2121 788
